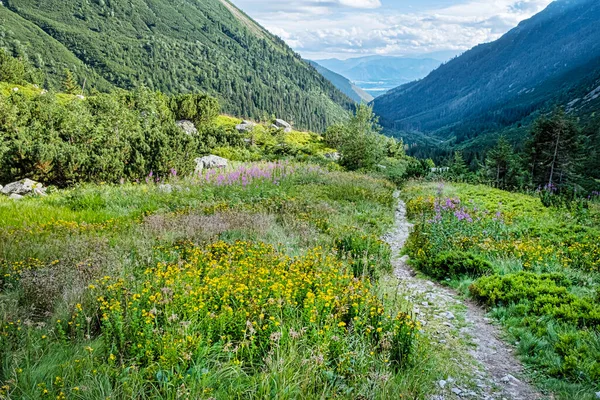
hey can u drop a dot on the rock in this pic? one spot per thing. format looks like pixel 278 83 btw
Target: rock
pixel 282 124
pixel 15 196
pixel 333 156
pixel 187 126
pixel 210 162
pixel 598 395
pixel 509 379
pixel 80 97
pixel 24 187
pixel 442 383
pixel 245 126
pixel 448 315
pixel 456 391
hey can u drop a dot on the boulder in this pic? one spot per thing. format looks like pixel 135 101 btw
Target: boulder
pixel 281 124
pixel 210 162
pixel 15 196
pixel 245 126
pixel 187 126
pixel 24 187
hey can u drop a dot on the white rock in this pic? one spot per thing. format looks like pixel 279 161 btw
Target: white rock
pixel 23 187
pixel 15 196
pixel 333 156
pixel 187 126
pixel 598 395
pixel 456 391
pixel 210 162
pixel 442 383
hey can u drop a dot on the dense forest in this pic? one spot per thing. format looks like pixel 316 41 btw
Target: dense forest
pixel 190 46
pixel 548 60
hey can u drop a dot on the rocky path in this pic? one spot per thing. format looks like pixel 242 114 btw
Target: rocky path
pixel 492 371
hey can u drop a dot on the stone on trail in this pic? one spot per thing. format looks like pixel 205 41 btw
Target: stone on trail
pixel 24 187
pixel 442 383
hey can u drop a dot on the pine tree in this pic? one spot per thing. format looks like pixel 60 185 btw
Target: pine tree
pixel 458 168
pixel 555 150
pixel 70 83
pixel 500 163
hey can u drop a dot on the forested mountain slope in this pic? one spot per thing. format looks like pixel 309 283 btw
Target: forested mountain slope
pixel 550 59
pixel 175 47
pixel 343 84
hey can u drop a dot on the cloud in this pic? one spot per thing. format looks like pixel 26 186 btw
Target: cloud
pixel 361 3
pixel 347 28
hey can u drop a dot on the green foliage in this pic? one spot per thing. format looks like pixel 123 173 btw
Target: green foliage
pixel 555 150
pixel 70 84
pixel 500 164
pixel 189 47
pixel 454 264
pixel 458 168
pixel 200 109
pixel 108 137
pixel 15 70
pixel 368 255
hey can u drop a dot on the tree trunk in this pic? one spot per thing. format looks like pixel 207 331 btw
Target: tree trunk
pixel 554 159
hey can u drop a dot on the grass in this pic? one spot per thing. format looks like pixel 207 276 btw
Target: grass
pixel 545 282
pixel 231 286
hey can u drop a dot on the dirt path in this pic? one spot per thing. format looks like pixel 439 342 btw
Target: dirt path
pixel 492 371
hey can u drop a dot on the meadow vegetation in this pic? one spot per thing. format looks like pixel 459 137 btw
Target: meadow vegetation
pixel 535 267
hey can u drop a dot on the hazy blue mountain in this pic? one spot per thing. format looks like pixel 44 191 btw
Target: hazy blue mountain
pixel 551 59
pixel 378 74
pixel 343 84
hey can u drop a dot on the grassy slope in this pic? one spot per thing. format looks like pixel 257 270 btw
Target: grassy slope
pixel 196 46
pixel 52 249
pixel 536 239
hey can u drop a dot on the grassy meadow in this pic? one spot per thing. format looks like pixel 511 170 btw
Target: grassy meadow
pixel 266 280
pixel 535 268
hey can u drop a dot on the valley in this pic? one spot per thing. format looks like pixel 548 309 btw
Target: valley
pixel 190 209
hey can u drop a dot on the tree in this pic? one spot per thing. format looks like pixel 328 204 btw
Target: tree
pixel 358 140
pixel 458 167
pixel 70 83
pixel 500 163
pixel 554 149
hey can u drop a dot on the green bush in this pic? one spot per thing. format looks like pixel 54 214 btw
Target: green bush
pixel 452 264
pixel 538 295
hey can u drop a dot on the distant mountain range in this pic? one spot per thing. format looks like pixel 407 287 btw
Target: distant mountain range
pixel 345 85
pixel 378 74
pixel 551 59
pixel 175 47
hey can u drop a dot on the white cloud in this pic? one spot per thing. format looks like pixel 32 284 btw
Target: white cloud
pixel 361 3
pixel 347 28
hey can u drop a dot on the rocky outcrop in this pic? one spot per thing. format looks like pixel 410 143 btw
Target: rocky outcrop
pixel 209 162
pixel 245 126
pixel 187 126
pixel 24 187
pixel 281 124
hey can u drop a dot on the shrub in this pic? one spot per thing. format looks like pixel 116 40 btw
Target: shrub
pixel 452 264
pixel 538 295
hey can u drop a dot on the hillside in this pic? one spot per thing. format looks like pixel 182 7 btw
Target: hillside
pixel 378 74
pixel 550 59
pixel 190 46
pixel 343 84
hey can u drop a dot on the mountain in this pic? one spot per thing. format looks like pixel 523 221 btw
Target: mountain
pixel 343 84
pixel 378 74
pixel 175 47
pixel 551 59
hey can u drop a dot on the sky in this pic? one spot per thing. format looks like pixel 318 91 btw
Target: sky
pixel 319 29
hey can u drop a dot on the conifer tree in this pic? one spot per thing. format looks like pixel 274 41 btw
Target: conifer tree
pixel 70 83
pixel 500 163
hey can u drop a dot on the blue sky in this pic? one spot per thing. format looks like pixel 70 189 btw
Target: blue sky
pixel 320 29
